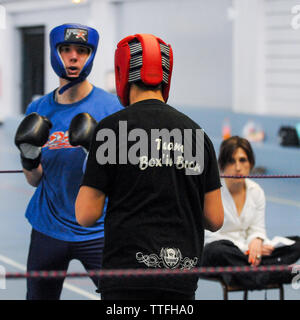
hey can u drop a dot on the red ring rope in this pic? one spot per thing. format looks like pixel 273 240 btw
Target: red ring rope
pixel 151 272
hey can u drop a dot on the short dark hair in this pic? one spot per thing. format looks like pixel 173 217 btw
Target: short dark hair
pixel 143 86
pixel 229 146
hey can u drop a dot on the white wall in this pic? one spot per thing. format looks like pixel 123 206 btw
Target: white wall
pixel 199 32
pixel 266 58
pixel 201 36
pixel 7 90
pixel 248 57
pixel 249 64
pixel 103 18
pixel 282 58
pixel 97 14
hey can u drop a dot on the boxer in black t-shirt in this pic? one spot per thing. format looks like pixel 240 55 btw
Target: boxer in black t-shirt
pixel 158 169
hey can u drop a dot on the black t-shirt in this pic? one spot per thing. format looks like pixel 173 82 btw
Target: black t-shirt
pixel 154 216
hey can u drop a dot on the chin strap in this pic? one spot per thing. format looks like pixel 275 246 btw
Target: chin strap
pixel 72 83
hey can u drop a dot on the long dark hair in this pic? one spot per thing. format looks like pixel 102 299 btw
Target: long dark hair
pixel 229 146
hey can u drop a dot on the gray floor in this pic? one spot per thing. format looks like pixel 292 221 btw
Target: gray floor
pixel 283 218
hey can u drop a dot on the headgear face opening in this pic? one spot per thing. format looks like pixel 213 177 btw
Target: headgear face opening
pixel 145 58
pixel 73 34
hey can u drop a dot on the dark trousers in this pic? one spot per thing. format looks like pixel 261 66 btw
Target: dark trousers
pixel 145 295
pixel 46 253
pixel 224 253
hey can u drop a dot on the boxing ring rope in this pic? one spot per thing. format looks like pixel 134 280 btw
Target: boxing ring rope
pixel 11 171
pixel 285 176
pixel 151 272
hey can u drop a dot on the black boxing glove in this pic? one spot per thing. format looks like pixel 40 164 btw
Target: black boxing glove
pixel 81 130
pixel 31 135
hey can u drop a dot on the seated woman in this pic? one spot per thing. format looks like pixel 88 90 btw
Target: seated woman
pixel 242 241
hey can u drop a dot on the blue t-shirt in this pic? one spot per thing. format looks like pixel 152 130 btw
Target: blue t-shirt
pixel 51 209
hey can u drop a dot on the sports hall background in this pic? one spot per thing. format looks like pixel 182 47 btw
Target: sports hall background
pixel 234 60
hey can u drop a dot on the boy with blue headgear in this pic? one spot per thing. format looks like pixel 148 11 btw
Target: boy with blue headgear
pixel 53 140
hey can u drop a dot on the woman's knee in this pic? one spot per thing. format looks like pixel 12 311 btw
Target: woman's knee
pixel 216 251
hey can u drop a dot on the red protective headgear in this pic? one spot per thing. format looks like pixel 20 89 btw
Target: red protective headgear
pixel 146 58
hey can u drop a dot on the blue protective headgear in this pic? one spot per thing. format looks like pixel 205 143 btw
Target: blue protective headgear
pixel 72 33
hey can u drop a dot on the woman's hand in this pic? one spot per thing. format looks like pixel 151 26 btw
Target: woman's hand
pixel 255 251
pixel 267 250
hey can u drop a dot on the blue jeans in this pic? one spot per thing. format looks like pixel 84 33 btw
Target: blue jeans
pixel 46 253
